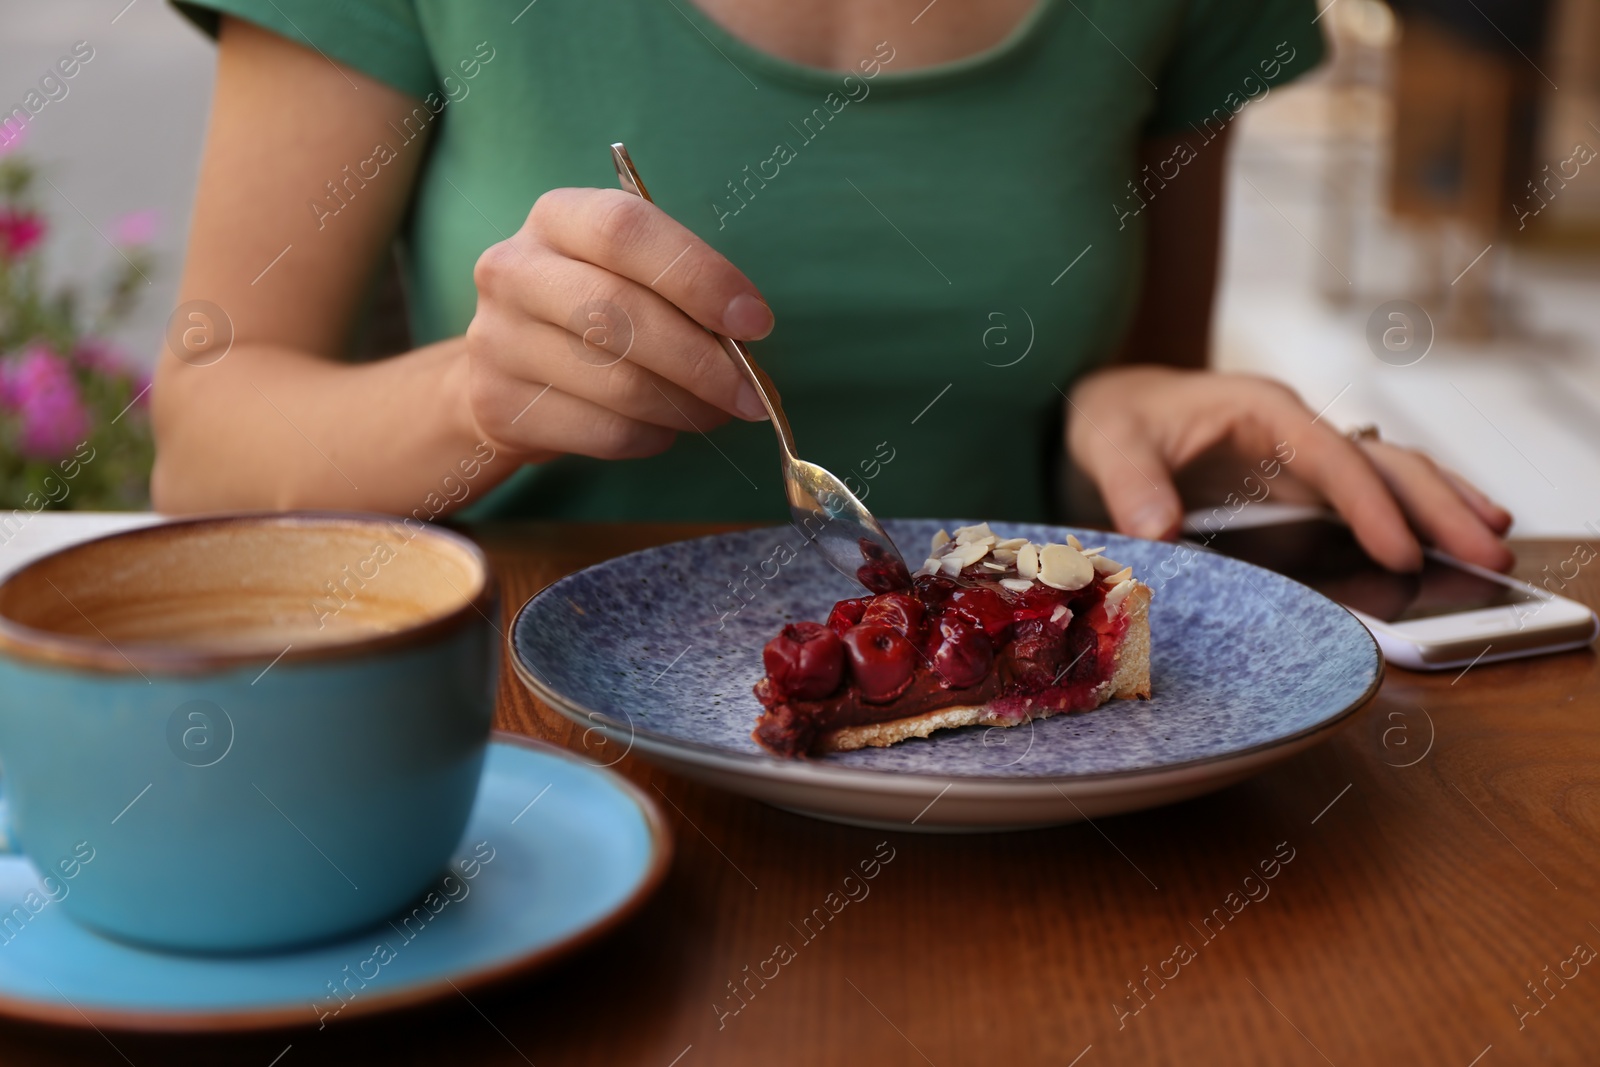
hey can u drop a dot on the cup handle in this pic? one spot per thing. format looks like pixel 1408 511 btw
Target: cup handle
pixel 8 845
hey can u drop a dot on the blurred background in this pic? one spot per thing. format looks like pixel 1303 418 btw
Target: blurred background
pixel 1413 239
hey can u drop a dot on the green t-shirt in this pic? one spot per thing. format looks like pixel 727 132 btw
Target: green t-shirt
pixel 945 249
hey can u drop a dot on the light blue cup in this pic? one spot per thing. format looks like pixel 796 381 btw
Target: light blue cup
pixel 244 733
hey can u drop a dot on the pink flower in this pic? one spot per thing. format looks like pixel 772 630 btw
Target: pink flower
pixel 19 232
pixel 136 227
pixel 38 386
pixel 12 134
pixel 101 357
pixel 104 359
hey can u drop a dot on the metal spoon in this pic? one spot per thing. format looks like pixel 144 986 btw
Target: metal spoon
pixel 822 508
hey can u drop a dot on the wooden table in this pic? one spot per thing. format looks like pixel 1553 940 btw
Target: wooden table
pixel 1443 851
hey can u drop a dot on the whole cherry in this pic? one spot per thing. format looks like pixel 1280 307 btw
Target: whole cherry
pixel 1085 659
pixel 962 653
pixel 881 661
pixel 1038 653
pixel 846 613
pixel 898 611
pixel 805 661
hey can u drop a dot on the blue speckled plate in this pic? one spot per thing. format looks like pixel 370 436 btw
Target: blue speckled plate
pixel 656 653
pixel 556 853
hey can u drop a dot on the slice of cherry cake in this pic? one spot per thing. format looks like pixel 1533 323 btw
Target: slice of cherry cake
pixel 992 632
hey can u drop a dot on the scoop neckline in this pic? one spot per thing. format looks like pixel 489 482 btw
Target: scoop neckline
pixel 741 54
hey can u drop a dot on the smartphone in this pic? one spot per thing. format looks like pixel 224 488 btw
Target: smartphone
pixel 1449 614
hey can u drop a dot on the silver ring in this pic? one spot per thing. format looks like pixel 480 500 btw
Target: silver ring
pixel 1369 432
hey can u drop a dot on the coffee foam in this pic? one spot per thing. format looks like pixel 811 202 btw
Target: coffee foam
pixel 246 585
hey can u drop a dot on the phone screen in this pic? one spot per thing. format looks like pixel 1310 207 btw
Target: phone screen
pixel 1327 557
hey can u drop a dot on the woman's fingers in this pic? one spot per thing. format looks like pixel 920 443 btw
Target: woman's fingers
pixel 629 389
pixel 609 320
pixel 590 333
pixel 539 419
pixel 1126 465
pixel 1493 515
pixel 1130 427
pixel 1437 508
pixel 631 237
pixel 1332 464
pixel 598 368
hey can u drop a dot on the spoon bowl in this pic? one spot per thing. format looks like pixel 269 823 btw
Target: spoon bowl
pixel 841 527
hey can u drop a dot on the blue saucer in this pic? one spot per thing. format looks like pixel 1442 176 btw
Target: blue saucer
pixel 658 651
pixel 567 851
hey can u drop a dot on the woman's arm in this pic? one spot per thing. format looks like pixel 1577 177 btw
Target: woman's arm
pixel 280 422
pixel 1154 411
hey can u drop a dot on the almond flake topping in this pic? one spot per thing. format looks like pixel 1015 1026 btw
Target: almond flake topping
pixel 1104 565
pixel 1016 563
pixel 970 553
pixel 1064 567
pixel 1118 594
pixel 971 534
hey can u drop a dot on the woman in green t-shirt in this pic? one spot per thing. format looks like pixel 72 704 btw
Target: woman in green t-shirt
pixel 972 239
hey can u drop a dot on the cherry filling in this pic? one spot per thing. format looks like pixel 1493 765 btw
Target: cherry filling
pixel 983 607
pixel 947 641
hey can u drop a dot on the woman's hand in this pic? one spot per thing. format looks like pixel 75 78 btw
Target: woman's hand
pixel 588 334
pixel 1130 428
pixel 287 421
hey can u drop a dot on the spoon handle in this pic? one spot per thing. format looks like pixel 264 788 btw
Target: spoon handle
pixel 628 178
